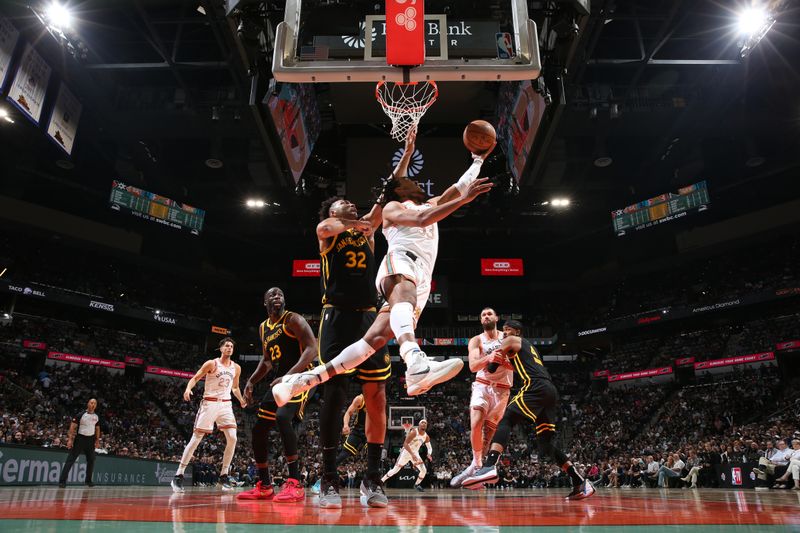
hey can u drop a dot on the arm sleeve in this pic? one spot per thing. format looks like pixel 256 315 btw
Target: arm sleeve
pixel 430 449
pixel 470 175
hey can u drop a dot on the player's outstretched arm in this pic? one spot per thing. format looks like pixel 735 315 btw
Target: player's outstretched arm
pixel 333 226
pixel 396 213
pixel 401 170
pixel 298 327
pixel 468 177
pixel 511 345
pixel 205 369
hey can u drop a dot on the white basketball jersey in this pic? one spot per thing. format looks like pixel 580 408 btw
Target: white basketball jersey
pixel 417 442
pixel 501 376
pixel 422 242
pixel 219 381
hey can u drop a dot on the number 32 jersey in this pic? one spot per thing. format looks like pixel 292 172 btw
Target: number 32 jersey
pixel 348 272
pixel 280 347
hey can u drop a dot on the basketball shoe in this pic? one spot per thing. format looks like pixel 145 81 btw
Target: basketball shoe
pixel 291 491
pixel 487 474
pixel 225 483
pixel 582 491
pixel 423 372
pixel 177 483
pixel 459 479
pixel 329 493
pixel 259 492
pixel 372 494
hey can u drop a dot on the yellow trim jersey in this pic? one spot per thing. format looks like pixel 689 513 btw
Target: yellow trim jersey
pixel 282 348
pixel 348 271
pixel 529 370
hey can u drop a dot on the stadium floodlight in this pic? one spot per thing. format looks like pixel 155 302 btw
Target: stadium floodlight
pixel 560 202
pixel 58 16
pixel 754 23
pixel 255 203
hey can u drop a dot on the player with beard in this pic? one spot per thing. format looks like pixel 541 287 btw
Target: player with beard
pixel 288 346
pixel 535 404
pixel 349 298
pixel 490 390
pixel 404 279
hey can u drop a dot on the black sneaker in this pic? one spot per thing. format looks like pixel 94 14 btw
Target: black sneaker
pixel 177 483
pixel 225 482
pixel 419 488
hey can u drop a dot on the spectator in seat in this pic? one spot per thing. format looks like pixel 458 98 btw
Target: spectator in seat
pixel 672 469
pixel 693 466
pixel 650 478
pixel 794 467
pixel 775 462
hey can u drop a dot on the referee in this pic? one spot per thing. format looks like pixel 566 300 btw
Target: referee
pixel 87 424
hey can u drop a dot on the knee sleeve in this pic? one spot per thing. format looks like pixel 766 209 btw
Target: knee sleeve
pixel 401 319
pixel 288 434
pixel 330 418
pixel 261 440
pixel 422 470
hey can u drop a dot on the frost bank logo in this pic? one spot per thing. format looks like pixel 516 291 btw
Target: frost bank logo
pixel 358 41
pixel 414 166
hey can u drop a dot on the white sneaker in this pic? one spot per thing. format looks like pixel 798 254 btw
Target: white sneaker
pixel 293 384
pixel 456 481
pixel 425 373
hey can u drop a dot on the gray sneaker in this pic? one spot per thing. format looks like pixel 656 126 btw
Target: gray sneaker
pixel 329 494
pixel 424 373
pixel 456 481
pixel 372 494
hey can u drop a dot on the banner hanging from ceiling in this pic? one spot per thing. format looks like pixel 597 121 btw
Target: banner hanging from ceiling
pixel 30 84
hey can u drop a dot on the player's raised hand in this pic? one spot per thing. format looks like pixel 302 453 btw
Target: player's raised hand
pixel 411 139
pixel 187 395
pixel 476 188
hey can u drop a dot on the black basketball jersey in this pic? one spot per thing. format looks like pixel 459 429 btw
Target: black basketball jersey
pixel 528 367
pixel 348 272
pixel 361 415
pixel 281 347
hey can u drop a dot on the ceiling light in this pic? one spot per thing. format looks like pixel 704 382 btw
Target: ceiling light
pixel 255 203
pixel 559 202
pixel 8 119
pixel 3 112
pixel 751 20
pixel 213 162
pixel 603 162
pixel 58 16
pixel 201 10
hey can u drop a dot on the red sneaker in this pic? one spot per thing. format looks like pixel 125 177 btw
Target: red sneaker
pixel 259 492
pixel 291 491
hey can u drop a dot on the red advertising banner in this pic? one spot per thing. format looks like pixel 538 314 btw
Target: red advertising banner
pixel 788 345
pixel 220 330
pixel 684 361
pixel 444 342
pixel 157 370
pixel 740 360
pixel 501 267
pixel 85 360
pixel 641 374
pixel 34 345
pixel 134 360
pixel 648 319
pixel 405 32
pixel 601 374
pixel 305 268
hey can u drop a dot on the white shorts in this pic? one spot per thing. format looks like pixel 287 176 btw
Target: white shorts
pixel 209 413
pixel 404 458
pixel 490 399
pixel 398 262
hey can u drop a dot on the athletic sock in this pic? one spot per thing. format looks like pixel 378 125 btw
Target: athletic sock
pixel 329 460
pixel 351 357
pixel 409 352
pixel 294 469
pixel 401 320
pixel 492 459
pixel 263 475
pixel 373 457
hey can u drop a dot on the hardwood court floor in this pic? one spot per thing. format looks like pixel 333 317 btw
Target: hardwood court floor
pixel 153 510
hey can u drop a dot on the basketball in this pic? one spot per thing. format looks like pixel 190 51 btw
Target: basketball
pixel 479 136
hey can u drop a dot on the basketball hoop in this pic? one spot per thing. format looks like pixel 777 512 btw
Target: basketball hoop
pixel 405 103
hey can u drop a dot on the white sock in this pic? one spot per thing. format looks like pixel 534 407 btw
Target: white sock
pixel 401 319
pixel 188 452
pixel 351 357
pixel 230 447
pixel 477 458
pixel 408 352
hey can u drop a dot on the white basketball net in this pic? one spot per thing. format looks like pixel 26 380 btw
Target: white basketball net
pixel 405 103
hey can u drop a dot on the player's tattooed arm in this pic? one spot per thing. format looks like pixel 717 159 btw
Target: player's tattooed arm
pixel 349 413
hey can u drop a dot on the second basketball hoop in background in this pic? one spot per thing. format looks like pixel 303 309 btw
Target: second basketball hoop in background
pixel 405 103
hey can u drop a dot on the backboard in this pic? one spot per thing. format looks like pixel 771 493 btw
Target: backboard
pixel 323 41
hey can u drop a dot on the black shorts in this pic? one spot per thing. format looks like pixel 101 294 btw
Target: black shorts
pixel 355 441
pixel 268 409
pixel 538 405
pixel 338 329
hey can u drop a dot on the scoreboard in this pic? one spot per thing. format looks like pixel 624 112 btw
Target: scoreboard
pixel 151 206
pixel 662 208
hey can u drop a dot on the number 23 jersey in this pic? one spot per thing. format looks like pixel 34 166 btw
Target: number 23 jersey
pixel 279 345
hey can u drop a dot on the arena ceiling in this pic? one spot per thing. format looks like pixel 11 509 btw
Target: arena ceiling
pixel 656 86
